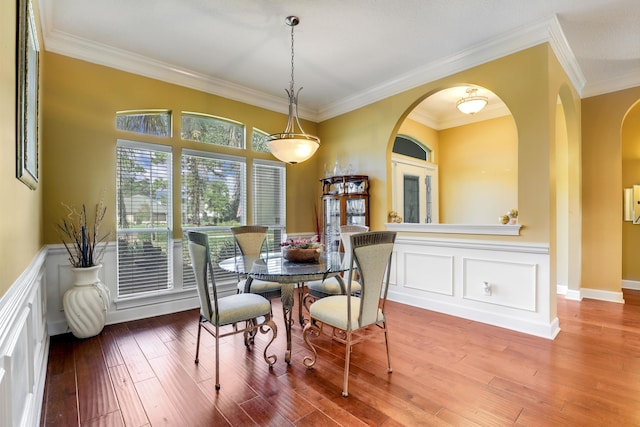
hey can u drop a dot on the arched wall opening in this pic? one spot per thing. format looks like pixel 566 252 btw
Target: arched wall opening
pixel 476 156
pixel 568 218
pixel 630 144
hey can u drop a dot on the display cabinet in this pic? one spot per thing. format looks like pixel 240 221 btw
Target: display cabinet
pixel 345 201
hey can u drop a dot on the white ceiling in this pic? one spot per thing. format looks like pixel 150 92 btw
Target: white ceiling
pixel 348 53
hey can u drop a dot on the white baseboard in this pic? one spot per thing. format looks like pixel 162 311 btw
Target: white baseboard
pixel 602 295
pixel 548 331
pixel 572 294
pixel 631 284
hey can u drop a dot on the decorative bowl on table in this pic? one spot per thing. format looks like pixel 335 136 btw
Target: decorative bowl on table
pixel 302 250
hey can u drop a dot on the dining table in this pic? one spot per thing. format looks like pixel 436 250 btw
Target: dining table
pixel 272 267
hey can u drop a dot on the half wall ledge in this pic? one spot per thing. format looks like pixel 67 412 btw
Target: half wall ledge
pixel 486 229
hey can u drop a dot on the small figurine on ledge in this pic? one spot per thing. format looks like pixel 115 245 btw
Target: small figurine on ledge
pixel 393 217
pixel 511 217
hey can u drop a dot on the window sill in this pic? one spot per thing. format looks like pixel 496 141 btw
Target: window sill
pixel 151 298
pixel 483 229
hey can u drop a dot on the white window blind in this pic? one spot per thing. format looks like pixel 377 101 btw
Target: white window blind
pixel 269 198
pixel 143 187
pixel 213 194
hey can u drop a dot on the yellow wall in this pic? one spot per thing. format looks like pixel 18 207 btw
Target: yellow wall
pixel 364 137
pixel 80 103
pixel 478 171
pixel 20 214
pixel 424 134
pixel 602 118
pixel 631 176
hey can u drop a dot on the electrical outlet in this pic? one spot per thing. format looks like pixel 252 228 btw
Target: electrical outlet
pixel 486 288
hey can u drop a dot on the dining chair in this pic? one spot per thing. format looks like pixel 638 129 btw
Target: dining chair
pixel 317 289
pixel 250 240
pixel 348 315
pixel 217 312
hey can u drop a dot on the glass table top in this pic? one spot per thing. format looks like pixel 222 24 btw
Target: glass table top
pixel 273 266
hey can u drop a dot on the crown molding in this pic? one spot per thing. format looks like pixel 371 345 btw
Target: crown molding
pixel 613 84
pixel 563 52
pixel 473 56
pixel 78 48
pixel 548 30
pixel 423 117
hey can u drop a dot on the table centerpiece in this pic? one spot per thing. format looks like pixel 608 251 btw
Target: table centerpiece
pixel 302 250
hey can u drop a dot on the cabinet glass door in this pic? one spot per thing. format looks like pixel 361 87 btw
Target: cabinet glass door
pixel 331 223
pixel 356 212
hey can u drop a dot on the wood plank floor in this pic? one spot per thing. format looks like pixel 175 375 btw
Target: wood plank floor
pixel 447 371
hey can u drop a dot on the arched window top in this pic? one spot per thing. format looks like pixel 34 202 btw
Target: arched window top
pixel 212 130
pixel 259 141
pixel 149 122
pixel 409 147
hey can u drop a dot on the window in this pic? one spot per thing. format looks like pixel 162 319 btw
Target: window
pixel 149 122
pixel 269 199
pixel 213 198
pixel 213 194
pixel 408 147
pixel 259 141
pixel 143 214
pixel 212 130
pixel 411 209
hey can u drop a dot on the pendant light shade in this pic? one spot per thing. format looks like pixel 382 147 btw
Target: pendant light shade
pixel 472 103
pixel 293 146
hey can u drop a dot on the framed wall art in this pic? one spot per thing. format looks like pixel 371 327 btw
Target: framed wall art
pixel 27 106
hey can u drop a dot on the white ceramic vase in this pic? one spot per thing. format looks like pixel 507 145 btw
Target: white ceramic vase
pixel 86 303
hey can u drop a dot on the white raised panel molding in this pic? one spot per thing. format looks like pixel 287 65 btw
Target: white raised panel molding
pixel 511 284
pixel 440 272
pixel 447 274
pixel 5 401
pixel 24 347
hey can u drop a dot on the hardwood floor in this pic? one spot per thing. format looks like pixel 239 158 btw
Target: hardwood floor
pixel 447 371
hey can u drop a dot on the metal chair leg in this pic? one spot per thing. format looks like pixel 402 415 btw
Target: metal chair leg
pixel 386 341
pixel 217 358
pixel 198 341
pixel 347 360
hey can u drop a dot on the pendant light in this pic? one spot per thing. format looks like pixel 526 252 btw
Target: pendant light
pixel 472 103
pixel 290 146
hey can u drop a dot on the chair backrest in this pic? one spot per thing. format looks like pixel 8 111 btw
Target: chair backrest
pixel 346 231
pixel 371 253
pixel 201 262
pixel 250 238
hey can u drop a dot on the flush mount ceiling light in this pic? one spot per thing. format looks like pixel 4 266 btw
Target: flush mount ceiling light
pixel 472 103
pixel 291 146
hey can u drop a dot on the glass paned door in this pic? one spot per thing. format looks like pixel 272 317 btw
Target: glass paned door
pixel 415 191
pixel 331 223
pixel 412 199
pixel 356 211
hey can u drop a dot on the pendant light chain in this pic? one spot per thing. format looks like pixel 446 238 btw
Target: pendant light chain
pixel 292 81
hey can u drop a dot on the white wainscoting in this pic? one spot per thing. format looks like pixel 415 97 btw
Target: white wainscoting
pixel 449 275
pixel 58 274
pixel 24 347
